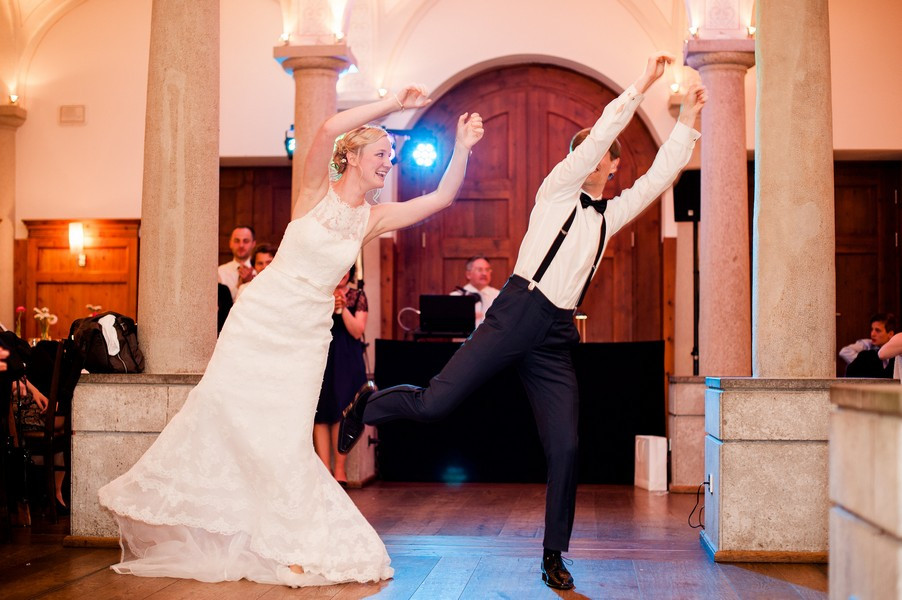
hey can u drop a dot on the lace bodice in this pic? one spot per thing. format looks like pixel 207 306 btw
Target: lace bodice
pixel 322 245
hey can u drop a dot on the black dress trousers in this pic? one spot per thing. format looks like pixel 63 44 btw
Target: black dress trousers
pixel 522 328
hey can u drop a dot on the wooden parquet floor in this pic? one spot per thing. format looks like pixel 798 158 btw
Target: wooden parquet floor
pixel 473 541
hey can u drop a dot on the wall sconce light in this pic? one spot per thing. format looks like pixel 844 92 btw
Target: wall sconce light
pixel 285 38
pixel 693 31
pixel 290 142
pixel 13 98
pixel 751 31
pixel 77 242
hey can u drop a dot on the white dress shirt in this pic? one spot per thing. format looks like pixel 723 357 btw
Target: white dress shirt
pixel 563 282
pixel 228 275
pixel 487 295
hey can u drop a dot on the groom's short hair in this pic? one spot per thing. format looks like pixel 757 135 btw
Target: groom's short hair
pixel 581 136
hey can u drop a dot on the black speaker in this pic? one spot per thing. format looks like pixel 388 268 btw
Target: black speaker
pixel 687 195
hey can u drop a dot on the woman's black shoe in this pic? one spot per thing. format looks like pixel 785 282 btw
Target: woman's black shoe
pixel 351 425
pixel 554 573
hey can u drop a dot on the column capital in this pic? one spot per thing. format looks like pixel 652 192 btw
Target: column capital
pixel 727 53
pixel 314 56
pixel 12 116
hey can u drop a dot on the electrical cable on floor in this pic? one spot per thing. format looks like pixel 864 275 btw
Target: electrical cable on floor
pixel 701 510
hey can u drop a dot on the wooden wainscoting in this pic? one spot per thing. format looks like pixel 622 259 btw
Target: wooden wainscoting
pixel 47 272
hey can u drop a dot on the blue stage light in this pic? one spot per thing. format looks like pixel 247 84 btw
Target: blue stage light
pixel 290 142
pixel 424 154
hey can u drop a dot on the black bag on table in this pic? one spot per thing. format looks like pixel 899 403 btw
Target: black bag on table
pixel 87 334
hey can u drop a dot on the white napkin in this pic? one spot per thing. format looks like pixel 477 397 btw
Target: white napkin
pixel 109 334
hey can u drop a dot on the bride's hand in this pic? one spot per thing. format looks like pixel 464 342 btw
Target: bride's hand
pixel 469 129
pixel 413 95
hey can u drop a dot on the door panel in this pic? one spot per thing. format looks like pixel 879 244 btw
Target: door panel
pixel 255 196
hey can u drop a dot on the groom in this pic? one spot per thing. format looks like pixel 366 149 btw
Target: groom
pixel 531 324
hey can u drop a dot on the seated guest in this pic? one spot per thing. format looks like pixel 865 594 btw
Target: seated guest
pixel 479 276
pixel 28 404
pixel 262 256
pixel 260 259
pixel 28 409
pixel 861 356
pixel 238 270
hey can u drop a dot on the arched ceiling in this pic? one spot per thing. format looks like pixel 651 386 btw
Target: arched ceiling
pixel 24 23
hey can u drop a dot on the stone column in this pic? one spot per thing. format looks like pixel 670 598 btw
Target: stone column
pixel 11 118
pixel 794 302
pixel 180 203
pixel 724 282
pixel 766 449
pixel 315 69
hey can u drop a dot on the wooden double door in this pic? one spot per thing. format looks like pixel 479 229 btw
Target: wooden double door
pixel 530 112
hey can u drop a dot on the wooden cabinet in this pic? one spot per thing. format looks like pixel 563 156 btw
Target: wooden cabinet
pixel 49 274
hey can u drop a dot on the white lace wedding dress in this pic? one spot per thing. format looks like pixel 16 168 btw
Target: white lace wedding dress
pixel 232 488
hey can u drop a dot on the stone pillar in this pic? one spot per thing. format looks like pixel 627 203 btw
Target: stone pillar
pixel 766 449
pixel 180 203
pixel 724 295
pixel 11 118
pixel 315 69
pixel 794 301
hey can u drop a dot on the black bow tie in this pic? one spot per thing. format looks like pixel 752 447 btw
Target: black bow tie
pixel 586 200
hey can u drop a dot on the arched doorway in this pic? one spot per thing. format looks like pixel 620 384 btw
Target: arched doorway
pixel 531 112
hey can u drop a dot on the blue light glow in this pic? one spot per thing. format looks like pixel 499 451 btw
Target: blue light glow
pixel 424 154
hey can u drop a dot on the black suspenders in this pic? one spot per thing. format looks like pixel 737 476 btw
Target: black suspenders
pixel 556 244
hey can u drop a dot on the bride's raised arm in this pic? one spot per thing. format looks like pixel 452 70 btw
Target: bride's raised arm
pixel 315 179
pixel 397 215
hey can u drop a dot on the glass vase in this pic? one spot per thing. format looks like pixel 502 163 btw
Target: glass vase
pixel 45 329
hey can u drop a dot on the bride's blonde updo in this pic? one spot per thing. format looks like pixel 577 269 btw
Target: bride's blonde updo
pixel 353 141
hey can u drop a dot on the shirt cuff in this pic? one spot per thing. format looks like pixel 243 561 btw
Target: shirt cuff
pixel 633 95
pixel 684 134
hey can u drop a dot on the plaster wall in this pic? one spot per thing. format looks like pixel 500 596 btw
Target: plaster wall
pixel 90 170
pixel 96 55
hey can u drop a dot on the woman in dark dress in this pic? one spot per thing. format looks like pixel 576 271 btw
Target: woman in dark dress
pixel 345 373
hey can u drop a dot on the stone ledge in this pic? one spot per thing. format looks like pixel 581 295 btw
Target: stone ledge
pixel 687 396
pixel 885 398
pixel 759 383
pixel 141 378
pixel 129 403
pixel 687 379
pixel 785 383
pixel 758 413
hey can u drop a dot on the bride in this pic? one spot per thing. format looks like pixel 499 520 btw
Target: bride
pixel 232 488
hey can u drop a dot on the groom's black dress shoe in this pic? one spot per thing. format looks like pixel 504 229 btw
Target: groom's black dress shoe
pixel 352 418
pixel 554 573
